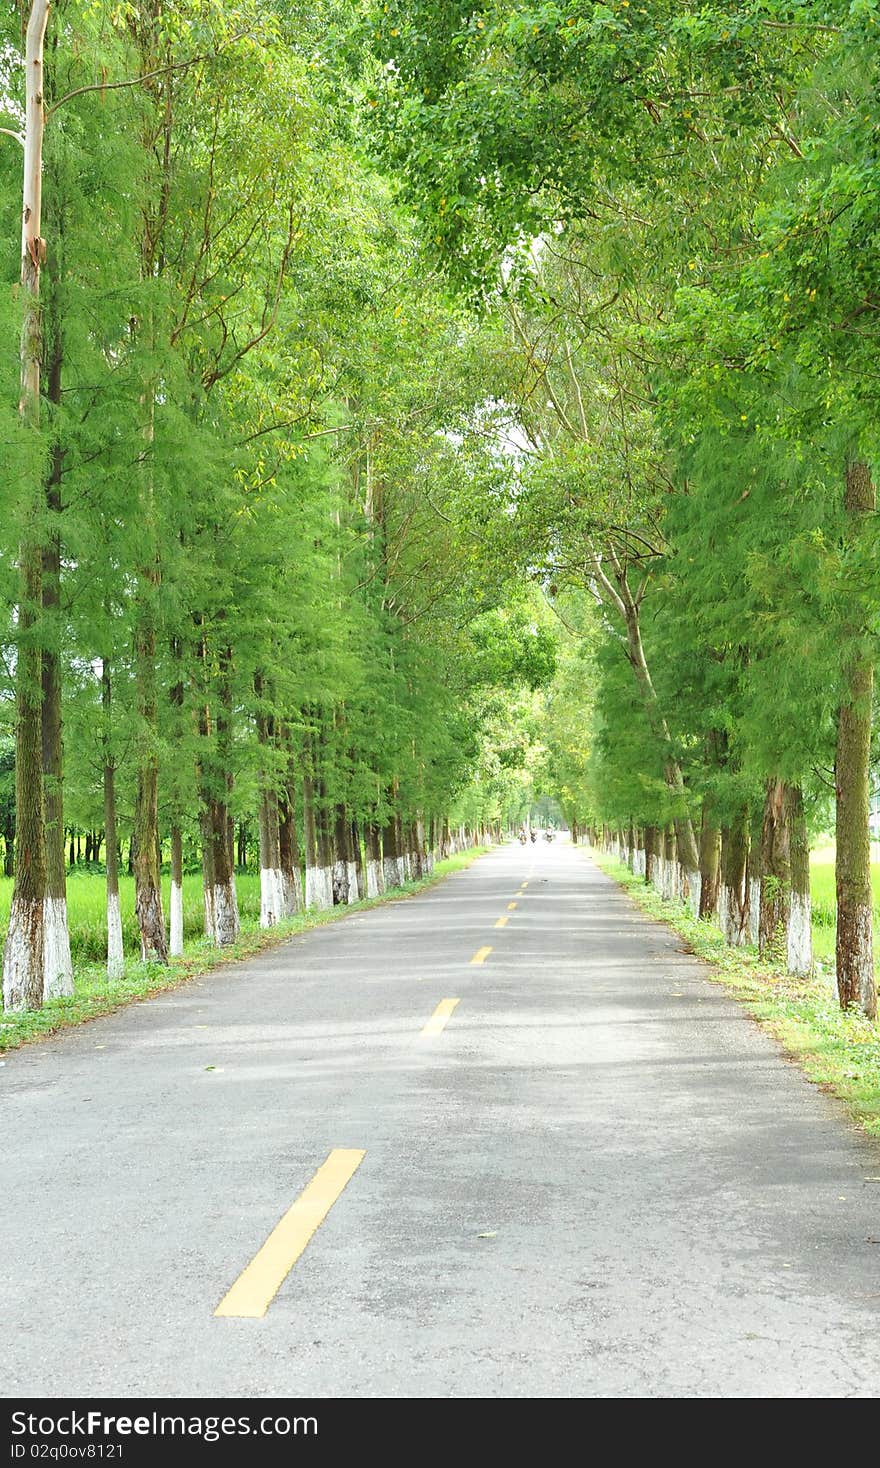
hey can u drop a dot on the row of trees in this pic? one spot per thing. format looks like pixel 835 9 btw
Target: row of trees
pixel 236 585
pixel 675 210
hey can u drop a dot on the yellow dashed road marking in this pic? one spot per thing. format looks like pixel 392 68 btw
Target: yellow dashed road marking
pixel 481 955
pixel 258 1284
pixel 502 922
pixel 439 1019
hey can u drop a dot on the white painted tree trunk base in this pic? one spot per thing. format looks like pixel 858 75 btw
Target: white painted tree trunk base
pixel 23 955
pixel 340 888
pixel 375 879
pixel 175 937
pixel 319 887
pixel 271 896
pixel 115 953
pixel 225 906
pixel 799 939
pixel 392 872
pixel 694 889
pixel 57 965
pixel 352 882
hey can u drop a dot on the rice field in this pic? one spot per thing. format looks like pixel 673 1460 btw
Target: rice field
pixel 88 919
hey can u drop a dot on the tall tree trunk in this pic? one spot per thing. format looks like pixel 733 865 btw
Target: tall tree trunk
pixel 775 870
pixel 710 859
pixel 733 898
pixel 650 853
pixel 288 839
pixel 799 952
pixel 855 937
pixel 225 897
pixel 148 890
pixel 319 890
pixel 392 870
pixel 271 877
pixel 357 872
pixel 176 915
pixel 686 844
pixel 23 954
pixel 755 871
pixel 115 954
pixel 373 845
pixel 57 965
pixel 670 865
pixel 341 856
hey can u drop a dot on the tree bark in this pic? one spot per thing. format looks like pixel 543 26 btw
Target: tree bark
pixel 23 955
pixel 650 853
pixel 272 902
pixel 115 954
pixel 775 870
pixel 710 859
pixel 357 873
pixel 733 898
pixel 855 934
pixel 375 874
pixel 176 943
pixel 392 870
pixel 799 950
pixel 341 856
pixel 288 839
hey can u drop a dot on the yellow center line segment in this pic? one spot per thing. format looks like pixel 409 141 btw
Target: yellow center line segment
pixel 259 1283
pixel 481 955
pixel 502 921
pixel 523 886
pixel 511 906
pixel 439 1019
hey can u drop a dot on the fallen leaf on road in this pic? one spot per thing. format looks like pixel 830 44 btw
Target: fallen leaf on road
pixel 492 1234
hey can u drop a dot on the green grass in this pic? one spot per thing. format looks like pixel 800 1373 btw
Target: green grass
pixel 822 893
pixel 87 916
pixel 836 1050
pixel 94 994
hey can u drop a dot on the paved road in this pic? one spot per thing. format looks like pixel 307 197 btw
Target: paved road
pixel 598 1180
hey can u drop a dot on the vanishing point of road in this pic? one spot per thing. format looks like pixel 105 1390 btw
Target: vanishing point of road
pixel 511 1139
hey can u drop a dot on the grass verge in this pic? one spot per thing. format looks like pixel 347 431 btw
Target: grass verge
pixel 838 1051
pixel 95 995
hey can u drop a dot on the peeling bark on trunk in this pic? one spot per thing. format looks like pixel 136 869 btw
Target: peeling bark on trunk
pixel 854 941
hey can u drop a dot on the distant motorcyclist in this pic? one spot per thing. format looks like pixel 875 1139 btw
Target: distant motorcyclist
pixel 549 834
pixel 534 835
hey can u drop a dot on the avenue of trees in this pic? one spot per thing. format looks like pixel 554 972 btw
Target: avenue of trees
pixel 236 411
pixel 675 208
pixel 407 408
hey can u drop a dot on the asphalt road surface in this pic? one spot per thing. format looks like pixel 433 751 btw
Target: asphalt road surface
pixel 594 1178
